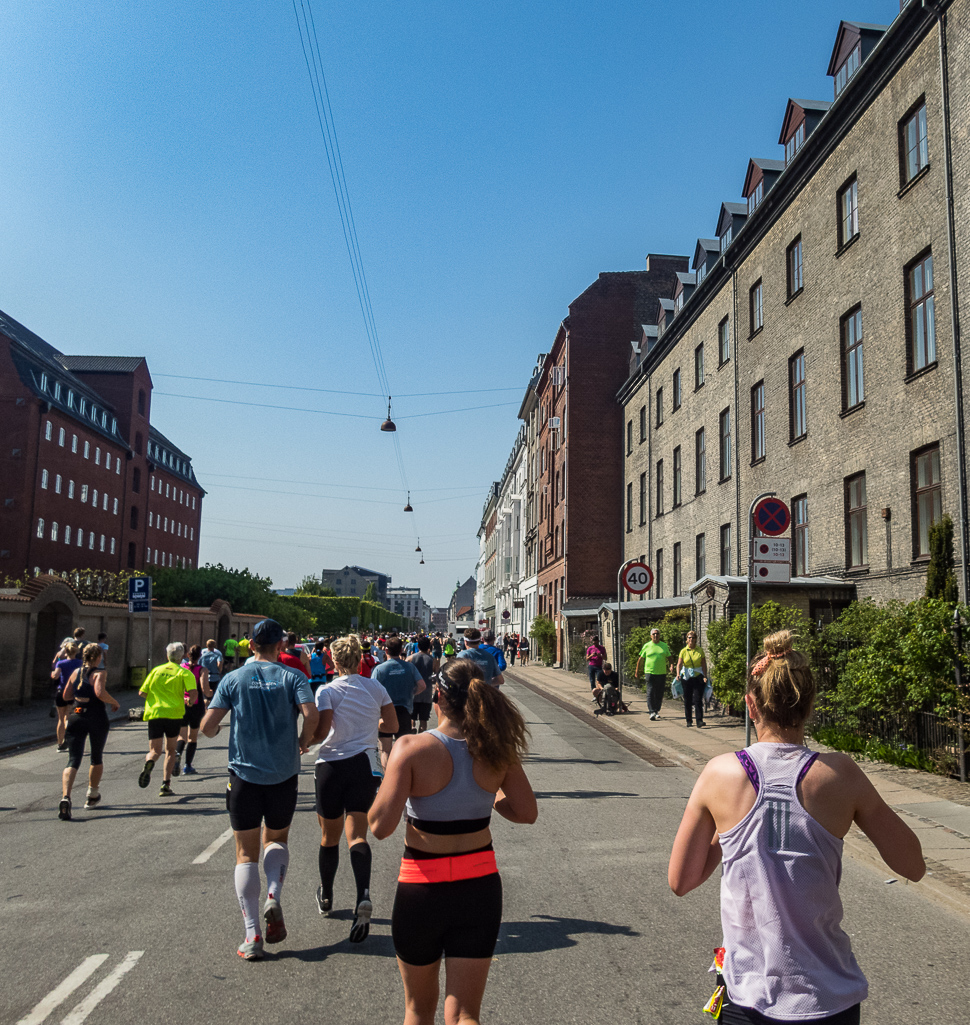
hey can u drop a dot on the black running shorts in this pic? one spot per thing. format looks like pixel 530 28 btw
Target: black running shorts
pixel 251 804
pixel 158 728
pixel 193 715
pixel 81 728
pixel 403 723
pixel 345 786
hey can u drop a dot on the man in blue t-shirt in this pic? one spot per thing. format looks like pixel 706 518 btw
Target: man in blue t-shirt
pixel 402 681
pixel 487 664
pixel 488 644
pixel 265 698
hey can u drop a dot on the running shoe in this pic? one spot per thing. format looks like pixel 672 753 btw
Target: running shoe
pixel 653 716
pixel 92 800
pixel 64 809
pixel 324 904
pixel 190 770
pixel 146 774
pixel 177 770
pixel 273 916
pixel 166 791
pixel 251 950
pixel 361 926
pixel 63 747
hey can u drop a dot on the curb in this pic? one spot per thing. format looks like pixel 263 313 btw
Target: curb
pixel 49 738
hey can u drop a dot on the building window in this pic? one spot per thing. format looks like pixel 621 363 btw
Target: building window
pixel 848 68
pixel 117 464
pixel 643 424
pixel 141 401
pixel 848 211
pixel 58 480
pixel 138 443
pixel 84 492
pixel 131 554
pixel 193 501
pixel 658 573
pixel 87 450
pixel 104 502
pixel 60 437
pixel 700 463
pixel 660 487
pixel 676 397
pixel 134 517
pixel 112 546
pixel 629 437
pixel 724 433
pixel 151 519
pixel 857 533
pixel 114 508
pixel 756 309
pixel 796 281
pixel 102 543
pixel 914 143
pixel 677 476
pixel 67 534
pixel 723 343
pixel 922 313
pixel 48 430
pixel 40 528
pixel 643 498
pixel 754 200
pixel 799 529
pixel 725 239
pixel 927 497
pixel 94 498
pixel 725 549
pixel 70 489
pixel 853 390
pixel 794 144
pixel 80 538
pixel 43 479
pixel 136 479
pixel 74 443
pixel 700 557
pixel 758 422
pixel 797 419
pixel 97 456
pixel 677 569
pixel 699 366
pixel 543 468
pixel 660 406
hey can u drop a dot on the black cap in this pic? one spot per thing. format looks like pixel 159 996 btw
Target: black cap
pixel 267 632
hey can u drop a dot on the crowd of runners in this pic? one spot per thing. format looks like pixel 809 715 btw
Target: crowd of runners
pixel 773 815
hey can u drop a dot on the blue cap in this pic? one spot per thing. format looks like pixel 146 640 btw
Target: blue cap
pixel 267 631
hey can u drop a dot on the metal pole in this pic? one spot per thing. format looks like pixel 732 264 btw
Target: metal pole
pixel 617 640
pixel 958 679
pixel 747 625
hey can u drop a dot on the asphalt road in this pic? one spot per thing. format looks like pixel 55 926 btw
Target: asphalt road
pixel 111 919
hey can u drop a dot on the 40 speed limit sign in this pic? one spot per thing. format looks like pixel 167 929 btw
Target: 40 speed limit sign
pixel 638 577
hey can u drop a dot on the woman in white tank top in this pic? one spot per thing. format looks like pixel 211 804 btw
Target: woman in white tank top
pixel 774 816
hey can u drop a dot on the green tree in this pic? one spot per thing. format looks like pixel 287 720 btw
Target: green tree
pixel 312 585
pixel 941 581
pixel 370 594
pixel 543 633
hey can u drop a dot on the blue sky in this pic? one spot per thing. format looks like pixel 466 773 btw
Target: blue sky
pixel 164 191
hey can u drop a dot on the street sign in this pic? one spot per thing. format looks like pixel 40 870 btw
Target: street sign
pixel 139 594
pixel 519 603
pixel 771 560
pixel 638 577
pixel 772 517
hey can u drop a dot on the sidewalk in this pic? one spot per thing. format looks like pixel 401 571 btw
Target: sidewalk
pixel 936 809
pixel 32 725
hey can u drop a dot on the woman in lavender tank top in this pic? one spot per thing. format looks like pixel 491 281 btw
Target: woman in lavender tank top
pixel 774 816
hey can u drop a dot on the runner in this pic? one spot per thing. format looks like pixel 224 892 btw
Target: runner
pixel 346 779
pixel 449 894
pixel 103 645
pixel 367 661
pixel 211 658
pixel 481 657
pixel 427 666
pixel 229 649
pixel 524 650
pixel 402 681
pixel 449 647
pixel 436 647
pixel 167 690
pixel 264 773
pixel 243 649
pixel 294 657
pixel 488 644
pixel 775 815
pixel 63 670
pixel 319 669
pixel 189 734
pixel 85 689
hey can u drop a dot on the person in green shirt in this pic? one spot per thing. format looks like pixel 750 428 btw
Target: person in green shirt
pixel 692 670
pixel 229 650
pixel 167 689
pixel 655 657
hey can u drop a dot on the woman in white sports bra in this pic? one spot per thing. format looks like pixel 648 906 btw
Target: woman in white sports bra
pixel 449 895
pixel 774 816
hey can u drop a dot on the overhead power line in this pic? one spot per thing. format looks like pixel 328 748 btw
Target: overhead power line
pixel 322 391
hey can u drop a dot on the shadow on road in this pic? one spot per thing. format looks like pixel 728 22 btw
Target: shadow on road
pixel 577 761
pixel 548 932
pixel 373 946
pixel 543 794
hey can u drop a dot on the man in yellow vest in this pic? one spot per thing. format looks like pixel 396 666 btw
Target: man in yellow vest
pixel 242 649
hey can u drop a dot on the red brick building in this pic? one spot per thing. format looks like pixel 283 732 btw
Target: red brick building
pixel 580 472
pixel 87 481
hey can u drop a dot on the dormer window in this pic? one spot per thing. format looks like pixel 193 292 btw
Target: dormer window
pixel 848 68
pixel 701 273
pixel 795 143
pixel 57 390
pixel 754 200
pixel 726 239
pixel 43 382
pixel 679 301
pixel 84 406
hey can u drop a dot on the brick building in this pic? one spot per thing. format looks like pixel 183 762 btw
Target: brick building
pixel 818 354
pixel 88 482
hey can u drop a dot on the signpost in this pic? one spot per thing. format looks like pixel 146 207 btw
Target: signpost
pixel 140 600
pixel 633 576
pixel 772 560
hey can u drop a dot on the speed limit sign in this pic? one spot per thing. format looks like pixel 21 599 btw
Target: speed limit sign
pixel 638 577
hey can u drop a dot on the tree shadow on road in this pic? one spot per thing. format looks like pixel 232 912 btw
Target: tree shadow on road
pixel 549 932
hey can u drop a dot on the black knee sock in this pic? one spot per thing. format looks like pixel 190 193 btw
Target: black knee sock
pixel 329 858
pixel 180 746
pixel 360 860
pixel 190 751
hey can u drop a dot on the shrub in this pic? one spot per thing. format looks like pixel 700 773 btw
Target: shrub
pixel 543 633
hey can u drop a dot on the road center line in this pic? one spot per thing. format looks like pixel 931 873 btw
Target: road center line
pixel 212 848
pixel 103 988
pixel 58 995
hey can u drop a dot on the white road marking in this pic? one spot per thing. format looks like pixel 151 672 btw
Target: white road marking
pixel 212 848
pixel 58 995
pixel 103 988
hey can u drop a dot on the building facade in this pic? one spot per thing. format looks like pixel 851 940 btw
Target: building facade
pixel 407 601
pixel 353 581
pixel 89 482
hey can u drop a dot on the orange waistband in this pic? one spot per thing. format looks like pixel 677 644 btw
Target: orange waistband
pixel 448 870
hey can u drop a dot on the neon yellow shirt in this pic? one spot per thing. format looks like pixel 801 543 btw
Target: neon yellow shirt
pixel 242 648
pixel 692 657
pixel 229 647
pixel 165 688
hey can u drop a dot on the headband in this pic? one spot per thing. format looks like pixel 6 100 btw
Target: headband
pixel 762 664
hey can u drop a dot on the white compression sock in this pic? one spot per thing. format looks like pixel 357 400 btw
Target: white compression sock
pixel 276 860
pixel 247 890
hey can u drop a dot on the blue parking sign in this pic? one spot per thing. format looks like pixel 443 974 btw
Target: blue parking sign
pixel 139 594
